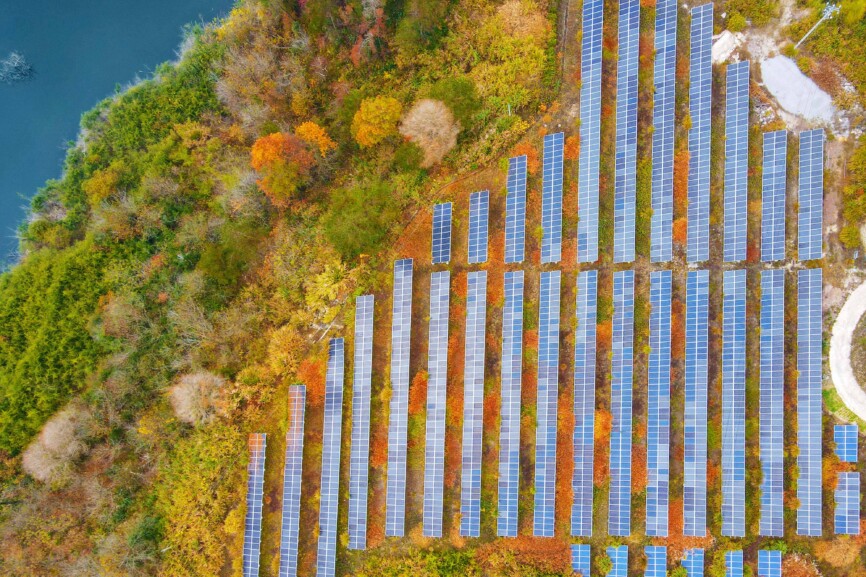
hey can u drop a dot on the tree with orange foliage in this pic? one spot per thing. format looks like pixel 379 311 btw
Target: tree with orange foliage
pixel 533 163
pixel 681 180
pixel 315 135
pixel 418 393
pixel 525 555
pixel 604 333
pixel 284 162
pixel 311 372
pixel 378 448
pixel 681 231
pixel 571 150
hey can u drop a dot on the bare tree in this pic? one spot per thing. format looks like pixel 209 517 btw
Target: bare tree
pixel 431 125
pixel 198 397
pixel 50 456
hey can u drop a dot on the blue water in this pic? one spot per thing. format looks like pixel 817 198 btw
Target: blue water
pixel 81 50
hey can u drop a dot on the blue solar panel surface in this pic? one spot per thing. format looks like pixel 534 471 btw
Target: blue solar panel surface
pixel 332 427
pixel 580 561
pixel 847 496
pixel 515 210
pixel 625 169
pixel 656 561
pixel 619 561
pixel 659 405
pixel 401 330
pixel 292 483
pixel 619 505
pixel 437 370
pixel 809 337
pixel 700 104
pixel 590 131
pixel 772 383
pixel 442 233
pixel 694 562
pixel 546 405
pixel 734 564
pixel 736 161
pixel 509 433
pixel 769 563
pixel 664 101
pixel 359 460
pixel 551 198
pixel 479 210
pixel 255 490
pixel 695 462
pixel 584 403
pixel 845 437
pixel 473 404
pixel 774 184
pixel 734 404
pixel 810 224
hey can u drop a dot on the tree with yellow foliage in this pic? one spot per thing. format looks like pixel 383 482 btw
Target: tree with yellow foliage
pixel 315 135
pixel 376 120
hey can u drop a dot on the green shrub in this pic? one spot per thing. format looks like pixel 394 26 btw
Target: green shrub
pixel 460 96
pixel 359 219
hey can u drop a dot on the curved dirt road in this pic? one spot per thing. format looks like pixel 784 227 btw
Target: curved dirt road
pixel 841 372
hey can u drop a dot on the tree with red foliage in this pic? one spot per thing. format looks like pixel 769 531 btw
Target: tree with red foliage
pixel 311 372
pixel 681 181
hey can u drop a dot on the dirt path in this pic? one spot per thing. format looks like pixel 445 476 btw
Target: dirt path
pixel 841 372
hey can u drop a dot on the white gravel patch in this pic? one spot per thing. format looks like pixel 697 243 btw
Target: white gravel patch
pixel 841 372
pixel 796 92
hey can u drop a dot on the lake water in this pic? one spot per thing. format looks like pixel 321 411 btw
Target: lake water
pixel 81 50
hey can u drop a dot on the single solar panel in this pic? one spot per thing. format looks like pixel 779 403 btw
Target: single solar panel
pixel 847 517
pixel 845 437
pixel 774 184
pixel 509 426
pixel 401 331
pixel 473 404
pixel 659 405
pixel 809 340
pixel 734 404
pixel 664 103
pixel 292 482
pixel 479 211
pixel 442 233
pixel 625 163
pixel 619 504
pixel 619 561
pixel 590 131
pixel 515 210
pixel 255 492
pixel 551 198
pixel 694 562
pixel 810 223
pixel 584 403
pixel 332 428
pixel 437 370
pixel 769 563
pixel 359 460
pixel 656 561
pixel 772 426
pixel 736 161
pixel 733 564
pixel 700 105
pixel 695 430
pixel 546 405
pixel 580 561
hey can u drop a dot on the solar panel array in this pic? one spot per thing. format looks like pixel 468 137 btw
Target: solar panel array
pixel 769 563
pixel 442 233
pixel 580 562
pixel 515 210
pixel 255 491
pixel 590 131
pixel 694 562
pixel 809 401
pixel 292 483
pixel 619 561
pixel 656 561
pixel 332 427
pixel 625 171
pixel 359 460
pixel 847 517
pixel 736 161
pixel 401 331
pixel 774 184
pixel 734 564
pixel 695 461
pixel 619 505
pixel 546 405
pixel 845 437
pixel 584 403
pixel 810 223
pixel 509 432
pixel 473 404
pixel 479 211
pixel 700 103
pixel 437 370
pixel 659 405
pixel 772 351
pixel 551 198
pixel 734 404
pixel 664 102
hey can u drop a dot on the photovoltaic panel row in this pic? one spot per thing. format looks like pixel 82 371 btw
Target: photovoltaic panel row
pixel 479 210
pixel 442 233
pixel 659 405
pixel 772 351
pixel 551 198
pixel 656 561
pixel 584 403
pixel 774 184
pixel 292 482
pixel 515 210
pixel 255 490
pixel 437 369
pixel 734 564
pixel 694 562
pixel 359 460
pixel 625 171
pixel 734 404
pixel 810 224
pixel 401 331
pixel 619 505
pixel 769 563
pixel 700 104
pixel 473 404
pixel 509 432
pixel 736 161
pixel 546 405
pixel 845 437
pixel 695 462
pixel 619 561
pixel 332 427
pixel 580 561
pixel 590 131
pixel 664 102
pixel 847 496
